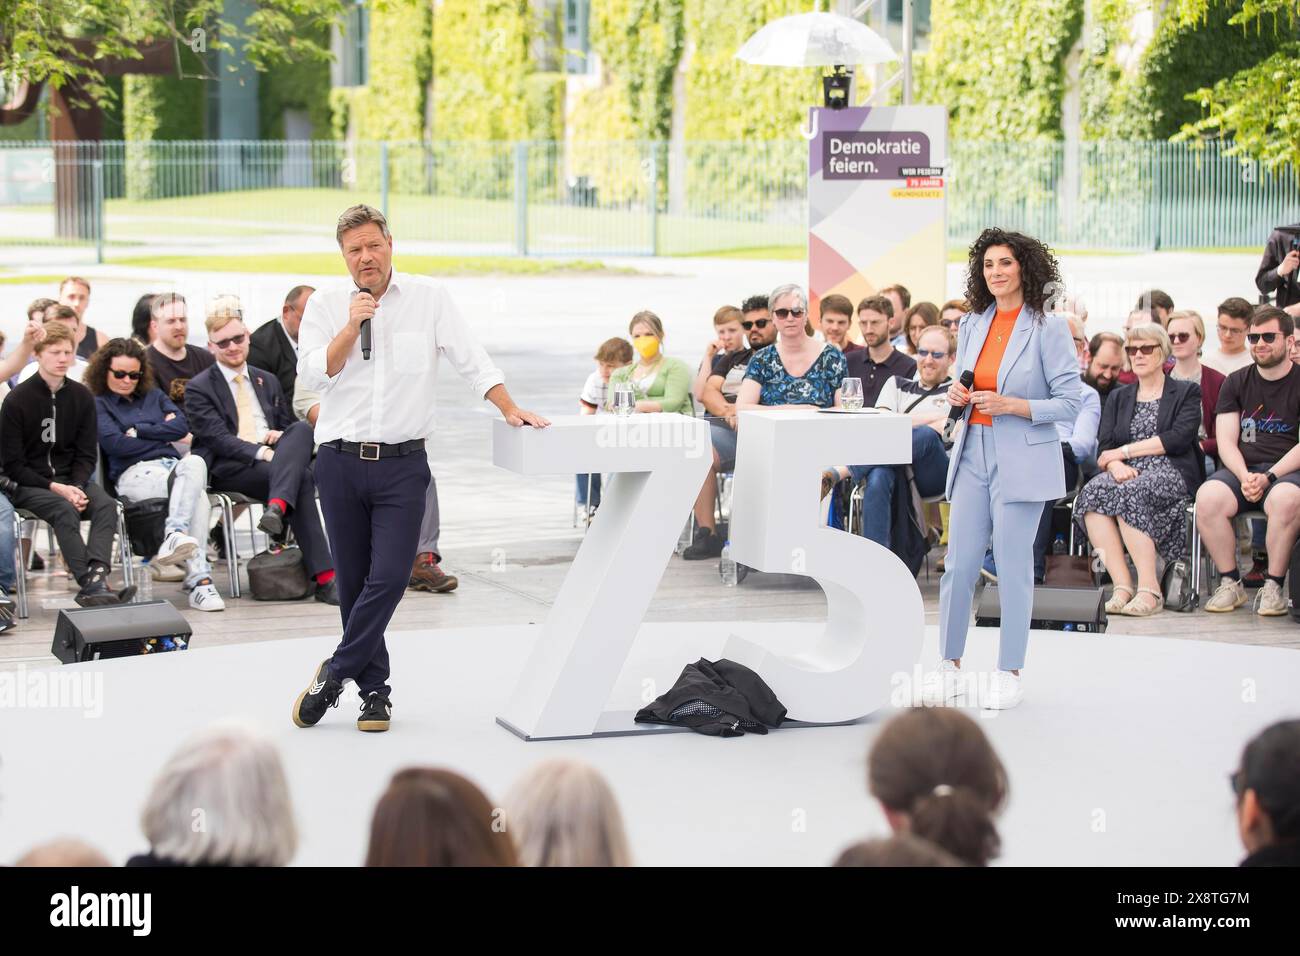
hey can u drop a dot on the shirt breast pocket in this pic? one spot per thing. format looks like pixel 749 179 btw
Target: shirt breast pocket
pixel 412 352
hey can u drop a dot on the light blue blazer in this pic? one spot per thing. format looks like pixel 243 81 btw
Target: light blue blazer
pixel 1040 364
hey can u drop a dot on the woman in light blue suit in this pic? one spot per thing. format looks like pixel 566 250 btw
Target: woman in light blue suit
pixel 1006 460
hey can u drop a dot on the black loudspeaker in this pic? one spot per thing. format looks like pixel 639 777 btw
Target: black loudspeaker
pixel 1055 609
pixel 121 630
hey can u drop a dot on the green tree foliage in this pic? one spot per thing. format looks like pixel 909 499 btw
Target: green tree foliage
pixel 640 43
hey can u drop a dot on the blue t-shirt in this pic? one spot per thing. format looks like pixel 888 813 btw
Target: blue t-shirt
pixel 815 387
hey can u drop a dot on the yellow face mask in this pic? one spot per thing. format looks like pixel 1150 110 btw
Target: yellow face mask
pixel 647 345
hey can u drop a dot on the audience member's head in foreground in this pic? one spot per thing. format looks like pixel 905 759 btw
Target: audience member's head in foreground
pixel 1267 785
pixel 63 852
pixel 901 849
pixel 563 813
pixel 432 817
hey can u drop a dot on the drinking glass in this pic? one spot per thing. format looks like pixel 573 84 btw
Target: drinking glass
pixel 851 394
pixel 624 399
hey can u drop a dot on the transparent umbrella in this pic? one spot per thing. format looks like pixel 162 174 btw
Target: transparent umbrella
pixel 816 39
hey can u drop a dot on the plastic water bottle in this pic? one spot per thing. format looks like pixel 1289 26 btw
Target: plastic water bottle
pixel 683 539
pixel 727 567
pixel 143 582
pixel 1058 546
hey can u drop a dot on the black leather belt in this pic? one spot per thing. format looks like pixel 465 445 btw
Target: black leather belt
pixel 375 450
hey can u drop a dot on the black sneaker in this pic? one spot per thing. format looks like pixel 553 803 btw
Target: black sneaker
pixel 376 710
pixel 328 593
pixel 95 591
pixel 217 539
pixel 38 563
pixel 272 522
pixel 323 694
pixel 706 545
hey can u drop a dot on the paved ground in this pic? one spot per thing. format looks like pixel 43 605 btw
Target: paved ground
pixel 510 539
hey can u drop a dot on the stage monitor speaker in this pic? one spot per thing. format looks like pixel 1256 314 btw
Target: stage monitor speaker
pixel 1055 609
pixel 119 630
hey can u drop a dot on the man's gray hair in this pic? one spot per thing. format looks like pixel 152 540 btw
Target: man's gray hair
pixel 789 288
pixel 222 798
pixel 359 215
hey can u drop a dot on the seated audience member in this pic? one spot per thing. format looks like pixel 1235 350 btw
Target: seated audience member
pixel 48 445
pixel 66 317
pixel 900 300
pixel 901 849
pixel 74 292
pixel 1186 336
pixel 1234 316
pixel 1267 786
pixel 918 318
pixel 1106 364
pixel 730 338
pixel 63 852
pixel 937 778
pixel 1080 341
pixel 951 312
pixel 836 313
pixel 660 383
pixel 173 360
pixel 880 360
pixel 1158 304
pixel 563 813
pixel 253 445
pixel 613 354
pixel 796 372
pixel 719 401
pixel 925 399
pixel 1152 467
pixel 1258 413
pixel 36 311
pixel 141 316
pixel 137 427
pixel 274 346
pixel 431 817
pixel 228 778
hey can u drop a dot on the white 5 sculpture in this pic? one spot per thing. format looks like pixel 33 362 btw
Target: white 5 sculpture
pixel 874 611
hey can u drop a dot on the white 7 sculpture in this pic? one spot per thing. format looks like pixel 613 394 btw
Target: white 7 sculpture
pixel 874 612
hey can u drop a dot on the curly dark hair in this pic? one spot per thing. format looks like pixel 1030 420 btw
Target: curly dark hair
pixel 95 377
pixel 1040 274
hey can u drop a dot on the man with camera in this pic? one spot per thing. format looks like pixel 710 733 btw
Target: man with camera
pixel 1279 270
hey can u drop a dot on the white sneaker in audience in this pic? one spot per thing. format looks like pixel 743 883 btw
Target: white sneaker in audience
pixel 944 686
pixel 166 572
pixel 204 597
pixel 1004 691
pixel 1269 601
pixel 1228 596
pixel 176 548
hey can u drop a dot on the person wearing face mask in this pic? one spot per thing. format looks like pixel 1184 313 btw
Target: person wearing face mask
pixel 661 384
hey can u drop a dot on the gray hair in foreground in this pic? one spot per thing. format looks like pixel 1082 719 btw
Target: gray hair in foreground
pixel 222 798
pixel 789 288
pixel 563 813
pixel 360 215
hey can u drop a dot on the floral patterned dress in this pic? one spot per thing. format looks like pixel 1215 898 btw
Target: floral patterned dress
pixel 814 387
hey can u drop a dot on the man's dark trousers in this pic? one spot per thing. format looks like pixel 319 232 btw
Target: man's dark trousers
pixel 373 511
pixel 287 477
pixel 66 521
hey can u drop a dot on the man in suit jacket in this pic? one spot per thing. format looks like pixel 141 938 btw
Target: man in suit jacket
pixel 275 345
pixel 244 429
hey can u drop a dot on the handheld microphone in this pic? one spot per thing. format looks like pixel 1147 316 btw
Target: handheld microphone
pixel 365 333
pixel 955 413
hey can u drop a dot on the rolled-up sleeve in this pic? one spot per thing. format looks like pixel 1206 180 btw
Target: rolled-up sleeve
pixel 454 339
pixel 314 336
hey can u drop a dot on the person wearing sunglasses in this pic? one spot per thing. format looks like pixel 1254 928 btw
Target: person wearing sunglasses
pixel 1258 415
pixel 1006 461
pixel 1266 786
pixel 139 429
pixel 1151 465
pixel 244 428
pixel 1186 337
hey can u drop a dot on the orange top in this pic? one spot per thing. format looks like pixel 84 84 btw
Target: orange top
pixel 990 360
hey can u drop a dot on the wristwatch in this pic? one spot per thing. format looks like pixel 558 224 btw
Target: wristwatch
pixel 1271 477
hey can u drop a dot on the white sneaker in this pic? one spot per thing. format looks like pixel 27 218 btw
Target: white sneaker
pixel 166 572
pixel 176 548
pixel 1005 691
pixel 944 686
pixel 204 597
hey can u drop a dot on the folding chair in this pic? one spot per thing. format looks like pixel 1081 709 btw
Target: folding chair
pixel 124 553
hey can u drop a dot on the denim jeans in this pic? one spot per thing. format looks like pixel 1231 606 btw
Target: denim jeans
pixel 595 490
pixel 188 510
pixel 8 573
pixel 929 469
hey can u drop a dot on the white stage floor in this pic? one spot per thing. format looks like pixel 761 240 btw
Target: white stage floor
pixel 1119 755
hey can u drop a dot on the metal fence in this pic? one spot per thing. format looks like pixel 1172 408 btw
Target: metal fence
pixel 623 198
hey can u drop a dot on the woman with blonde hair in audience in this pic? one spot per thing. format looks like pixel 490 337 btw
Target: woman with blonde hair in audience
pixel 937 777
pixel 563 813
pixel 1151 466
pixel 1186 337
pixel 433 817
pixel 222 799
pixel 916 320
pixel 660 383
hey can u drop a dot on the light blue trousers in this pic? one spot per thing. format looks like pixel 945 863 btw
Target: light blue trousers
pixel 978 513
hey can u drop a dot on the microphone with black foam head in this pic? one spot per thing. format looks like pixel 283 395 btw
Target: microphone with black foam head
pixel 955 413
pixel 365 333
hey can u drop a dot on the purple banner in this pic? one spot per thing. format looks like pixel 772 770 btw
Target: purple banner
pixel 871 154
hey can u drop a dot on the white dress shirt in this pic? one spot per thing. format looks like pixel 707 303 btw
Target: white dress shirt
pixel 1081 434
pixel 259 419
pixel 390 398
pixel 292 340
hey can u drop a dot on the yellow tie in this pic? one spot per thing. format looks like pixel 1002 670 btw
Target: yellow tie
pixel 244 406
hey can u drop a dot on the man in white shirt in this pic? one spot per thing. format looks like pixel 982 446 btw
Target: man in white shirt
pixel 376 413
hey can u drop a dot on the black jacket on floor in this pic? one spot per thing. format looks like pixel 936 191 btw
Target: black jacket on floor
pixel 48 437
pixel 717 698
